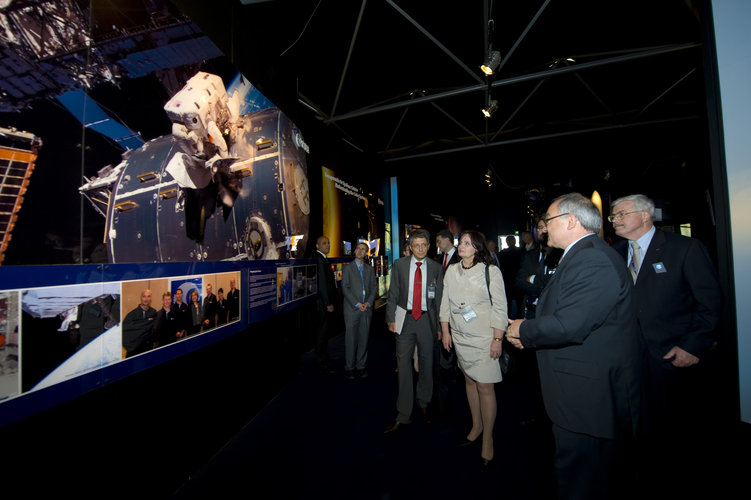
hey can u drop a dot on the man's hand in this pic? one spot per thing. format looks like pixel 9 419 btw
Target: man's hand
pixel 392 327
pixel 330 308
pixel 512 334
pixel 681 358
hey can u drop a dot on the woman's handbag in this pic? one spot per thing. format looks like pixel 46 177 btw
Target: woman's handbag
pixel 506 359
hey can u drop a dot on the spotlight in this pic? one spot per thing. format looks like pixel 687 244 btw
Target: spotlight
pixel 492 108
pixel 492 63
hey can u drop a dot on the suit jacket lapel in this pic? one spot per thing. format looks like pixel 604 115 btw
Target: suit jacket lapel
pixel 562 266
pixel 653 255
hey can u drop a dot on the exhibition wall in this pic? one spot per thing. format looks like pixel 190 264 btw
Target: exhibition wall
pixel 734 74
pixel 144 164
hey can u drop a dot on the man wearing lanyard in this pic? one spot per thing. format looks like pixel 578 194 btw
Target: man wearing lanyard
pixel 412 314
pixel 359 290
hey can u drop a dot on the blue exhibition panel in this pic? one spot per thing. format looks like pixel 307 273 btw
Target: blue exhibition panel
pixel 65 329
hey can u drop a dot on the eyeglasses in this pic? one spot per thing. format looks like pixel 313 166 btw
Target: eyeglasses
pixel 548 219
pixel 621 215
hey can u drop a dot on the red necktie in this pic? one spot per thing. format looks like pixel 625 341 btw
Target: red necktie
pixel 417 293
pixel 445 258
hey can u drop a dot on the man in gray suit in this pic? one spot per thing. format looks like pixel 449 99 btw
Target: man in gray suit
pixel 589 352
pixel 412 313
pixel 359 290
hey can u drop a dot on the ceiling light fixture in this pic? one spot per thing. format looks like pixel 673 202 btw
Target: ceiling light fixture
pixel 490 109
pixel 492 63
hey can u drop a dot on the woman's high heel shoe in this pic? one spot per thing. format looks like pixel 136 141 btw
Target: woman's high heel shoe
pixel 468 442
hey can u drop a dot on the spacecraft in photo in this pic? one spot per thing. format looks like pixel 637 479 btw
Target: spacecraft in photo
pixel 230 182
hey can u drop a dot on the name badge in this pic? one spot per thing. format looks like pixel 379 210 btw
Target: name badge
pixel 659 267
pixel 431 291
pixel 467 313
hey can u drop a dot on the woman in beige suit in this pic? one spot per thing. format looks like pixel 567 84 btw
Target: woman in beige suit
pixel 474 305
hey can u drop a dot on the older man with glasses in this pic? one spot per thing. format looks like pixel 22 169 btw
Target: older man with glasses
pixel 588 352
pixel 677 301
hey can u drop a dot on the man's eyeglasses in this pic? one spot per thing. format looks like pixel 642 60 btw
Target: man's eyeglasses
pixel 548 219
pixel 621 215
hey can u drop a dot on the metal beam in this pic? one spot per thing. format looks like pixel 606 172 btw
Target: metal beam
pixel 349 56
pixel 538 138
pixel 435 41
pixel 665 92
pixel 446 113
pixel 667 49
pixel 521 104
pixel 524 33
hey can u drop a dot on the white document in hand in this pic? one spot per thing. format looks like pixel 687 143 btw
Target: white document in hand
pixel 399 316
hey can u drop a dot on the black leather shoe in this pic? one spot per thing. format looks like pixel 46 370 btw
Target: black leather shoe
pixel 485 464
pixel 426 415
pixel 349 374
pixel 396 426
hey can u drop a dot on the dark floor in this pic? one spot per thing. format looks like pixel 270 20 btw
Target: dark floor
pixel 251 417
pixel 322 437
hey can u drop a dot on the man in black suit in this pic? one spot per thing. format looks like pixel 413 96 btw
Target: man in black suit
pixel 444 362
pixel 536 269
pixel 209 307
pixel 167 325
pixel 222 308
pixel 510 259
pixel 677 300
pixel 138 327
pixel 233 300
pixel 412 313
pixel 493 250
pixel 588 351
pixel 325 303
pixel 444 240
pixel 180 309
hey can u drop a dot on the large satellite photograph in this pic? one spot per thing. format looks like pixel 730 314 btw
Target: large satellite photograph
pixel 141 142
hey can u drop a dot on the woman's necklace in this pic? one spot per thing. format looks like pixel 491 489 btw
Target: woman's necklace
pixel 470 267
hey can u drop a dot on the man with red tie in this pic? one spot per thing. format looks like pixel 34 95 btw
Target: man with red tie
pixel 444 240
pixel 444 362
pixel 412 313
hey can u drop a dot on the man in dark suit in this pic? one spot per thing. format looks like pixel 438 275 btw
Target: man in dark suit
pixel 677 300
pixel 444 240
pixel 325 303
pixel 510 260
pixel 493 250
pixel 412 313
pixel 209 307
pixel 182 314
pixel 536 269
pixel 167 326
pixel 359 290
pixel 233 300
pixel 588 351
pixel 444 362
pixel 222 308
pixel 138 327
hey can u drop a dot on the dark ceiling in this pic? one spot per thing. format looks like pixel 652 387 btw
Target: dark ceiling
pixel 591 94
